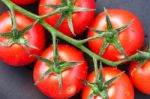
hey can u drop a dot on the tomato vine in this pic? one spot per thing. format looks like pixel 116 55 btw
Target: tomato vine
pixel 17 37
pixel 77 43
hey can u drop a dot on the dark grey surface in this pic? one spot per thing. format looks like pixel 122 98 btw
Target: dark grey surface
pixel 17 83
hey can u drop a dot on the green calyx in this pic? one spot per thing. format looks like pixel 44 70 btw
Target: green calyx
pixel 67 12
pixel 111 35
pixel 57 69
pixel 100 87
pixel 56 66
pixel 17 36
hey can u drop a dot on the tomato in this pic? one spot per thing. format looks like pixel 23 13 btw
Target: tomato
pixel 141 77
pixel 120 88
pixel 71 78
pixel 131 39
pixel 79 19
pixel 15 54
pixel 23 2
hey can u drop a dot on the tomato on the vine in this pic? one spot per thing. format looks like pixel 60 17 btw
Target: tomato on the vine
pixel 23 2
pixel 131 39
pixel 15 54
pixel 140 77
pixel 80 19
pixel 71 78
pixel 121 88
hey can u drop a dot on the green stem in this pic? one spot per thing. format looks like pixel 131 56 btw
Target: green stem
pixel 55 54
pixel 144 54
pixel 59 10
pixel 14 26
pixel 87 39
pixel 11 8
pixel 138 55
pixel 96 68
pixel 13 19
pixel 91 54
pixel 94 37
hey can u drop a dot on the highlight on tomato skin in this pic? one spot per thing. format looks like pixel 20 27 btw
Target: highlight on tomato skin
pixel 80 19
pixel 71 78
pixel 141 76
pixel 131 39
pixel 15 54
pixel 121 88
pixel 24 2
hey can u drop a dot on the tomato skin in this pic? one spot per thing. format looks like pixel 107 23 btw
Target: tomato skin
pixel 121 88
pixel 80 19
pixel 15 54
pixel 141 77
pixel 131 39
pixel 23 2
pixel 71 78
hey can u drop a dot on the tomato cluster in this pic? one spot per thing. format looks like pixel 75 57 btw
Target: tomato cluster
pixel 61 70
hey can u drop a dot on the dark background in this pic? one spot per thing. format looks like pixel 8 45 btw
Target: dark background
pixel 17 83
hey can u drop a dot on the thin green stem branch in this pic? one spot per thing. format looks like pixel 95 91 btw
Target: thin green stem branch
pixel 14 26
pixel 96 67
pixel 94 37
pixel 13 19
pixel 59 10
pixel 55 54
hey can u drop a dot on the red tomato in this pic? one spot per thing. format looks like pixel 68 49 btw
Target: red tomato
pixel 71 78
pixel 131 38
pixel 15 54
pixel 80 19
pixel 23 2
pixel 141 77
pixel 121 88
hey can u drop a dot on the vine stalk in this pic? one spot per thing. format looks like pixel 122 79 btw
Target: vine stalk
pixel 76 43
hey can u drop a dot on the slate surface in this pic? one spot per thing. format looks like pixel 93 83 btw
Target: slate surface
pixel 17 83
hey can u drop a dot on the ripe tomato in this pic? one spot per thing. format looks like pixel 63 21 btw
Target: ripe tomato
pixel 121 88
pixel 79 19
pixel 15 54
pixel 23 2
pixel 141 77
pixel 71 78
pixel 131 38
